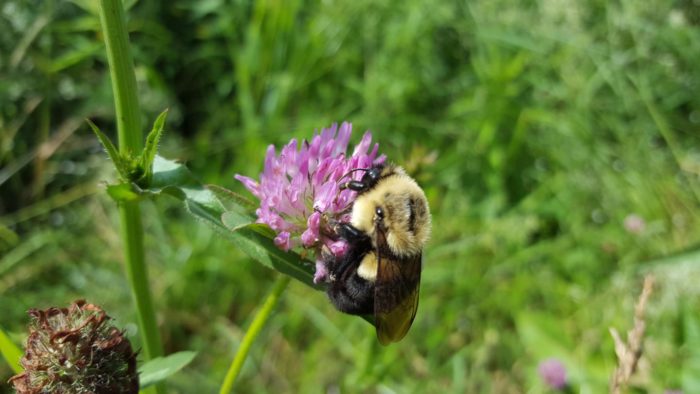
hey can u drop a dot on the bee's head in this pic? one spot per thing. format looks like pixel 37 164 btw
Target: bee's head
pixel 369 179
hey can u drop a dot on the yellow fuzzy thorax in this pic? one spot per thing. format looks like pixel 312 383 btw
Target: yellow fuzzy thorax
pixel 392 193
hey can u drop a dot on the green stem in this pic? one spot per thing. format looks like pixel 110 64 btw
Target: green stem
pixel 255 327
pixel 121 67
pixel 137 274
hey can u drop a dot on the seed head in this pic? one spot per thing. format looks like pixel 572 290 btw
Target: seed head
pixel 76 350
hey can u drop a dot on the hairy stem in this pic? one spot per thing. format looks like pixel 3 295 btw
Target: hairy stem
pixel 255 327
pixel 128 115
pixel 121 70
pixel 137 275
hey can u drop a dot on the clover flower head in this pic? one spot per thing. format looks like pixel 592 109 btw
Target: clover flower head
pixel 76 350
pixel 634 224
pixel 300 188
pixel 553 372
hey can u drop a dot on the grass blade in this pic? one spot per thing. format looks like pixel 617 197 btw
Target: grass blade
pixel 11 352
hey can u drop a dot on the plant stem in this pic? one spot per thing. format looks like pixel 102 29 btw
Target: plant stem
pixel 121 69
pixel 137 274
pixel 128 115
pixel 255 327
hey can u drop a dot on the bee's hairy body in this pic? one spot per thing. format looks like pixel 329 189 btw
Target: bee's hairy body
pixel 380 273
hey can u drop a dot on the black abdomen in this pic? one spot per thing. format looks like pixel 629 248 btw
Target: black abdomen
pixel 348 291
pixel 353 295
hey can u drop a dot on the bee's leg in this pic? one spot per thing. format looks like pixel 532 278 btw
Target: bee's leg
pixel 349 232
pixel 360 244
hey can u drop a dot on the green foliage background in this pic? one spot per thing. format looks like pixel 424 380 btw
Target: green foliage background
pixel 536 128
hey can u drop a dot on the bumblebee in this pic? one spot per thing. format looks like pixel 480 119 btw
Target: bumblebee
pixel 380 273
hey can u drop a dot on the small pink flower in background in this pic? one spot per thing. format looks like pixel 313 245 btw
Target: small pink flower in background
pixel 634 224
pixel 553 372
pixel 302 184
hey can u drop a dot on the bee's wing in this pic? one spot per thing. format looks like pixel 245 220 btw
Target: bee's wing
pixel 396 293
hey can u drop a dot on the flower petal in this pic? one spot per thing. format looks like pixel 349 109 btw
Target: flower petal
pixel 249 184
pixel 283 241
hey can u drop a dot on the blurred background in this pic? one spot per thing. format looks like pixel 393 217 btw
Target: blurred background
pixel 557 141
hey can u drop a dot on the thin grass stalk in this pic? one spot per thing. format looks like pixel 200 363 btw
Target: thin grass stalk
pixel 253 331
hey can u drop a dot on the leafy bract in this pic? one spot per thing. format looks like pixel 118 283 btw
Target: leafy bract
pixel 159 368
pixel 230 214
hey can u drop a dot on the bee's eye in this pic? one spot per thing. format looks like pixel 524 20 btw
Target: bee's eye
pixel 379 212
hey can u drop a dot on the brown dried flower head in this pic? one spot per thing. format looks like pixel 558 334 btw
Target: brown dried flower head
pixel 76 350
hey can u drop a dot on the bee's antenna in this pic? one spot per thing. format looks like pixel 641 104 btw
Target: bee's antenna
pixel 351 171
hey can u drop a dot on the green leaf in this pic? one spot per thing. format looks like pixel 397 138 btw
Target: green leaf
pixel 251 240
pixel 206 214
pixel 169 177
pixel 264 250
pixel 123 192
pixel 112 152
pixel 171 173
pixel 230 215
pixel 151 148
pixel 174 178
pixel 10 352
pixel 234 220
pixel 230 200
pixel 262 229
pixel 158 369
